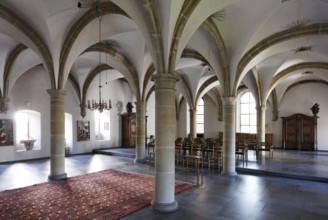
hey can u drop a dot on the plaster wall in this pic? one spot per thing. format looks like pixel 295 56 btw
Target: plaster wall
pixel 183 127
pixel 299 100
pixel 120 94
pixel 211 119
pixel 30 93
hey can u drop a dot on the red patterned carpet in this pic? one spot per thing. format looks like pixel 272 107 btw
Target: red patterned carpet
pixel 108 194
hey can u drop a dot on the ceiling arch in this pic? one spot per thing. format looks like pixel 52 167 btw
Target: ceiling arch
pixel 244 63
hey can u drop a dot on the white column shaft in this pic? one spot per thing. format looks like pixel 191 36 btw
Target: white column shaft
pixel 261 124
pixel 193 125
pixel 229 137
pixel 165 126
pixel 141 131
pixel 57 134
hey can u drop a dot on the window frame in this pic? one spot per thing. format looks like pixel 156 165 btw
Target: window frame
pixel 200 124
pixel 247 113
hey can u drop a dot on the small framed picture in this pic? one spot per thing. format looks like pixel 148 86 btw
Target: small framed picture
pixel 6 132
pixel 83 131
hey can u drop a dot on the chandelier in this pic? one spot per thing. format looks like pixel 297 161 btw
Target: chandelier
pixel 101 104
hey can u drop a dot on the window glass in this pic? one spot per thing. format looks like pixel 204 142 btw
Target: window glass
pixel 244 108
pixel 28 128
pixel 200 117
pixel 247 113
pixel 244 120
pixel 200 110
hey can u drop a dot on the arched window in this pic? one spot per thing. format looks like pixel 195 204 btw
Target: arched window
pixel 247 113
pixel 28 127
pixel 200 117
pixel 102 125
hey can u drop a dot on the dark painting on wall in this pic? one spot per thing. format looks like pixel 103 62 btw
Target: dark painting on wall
pixel 83 131
pixel 6 132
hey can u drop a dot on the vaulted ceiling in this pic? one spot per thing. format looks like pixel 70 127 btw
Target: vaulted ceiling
pixel 216 46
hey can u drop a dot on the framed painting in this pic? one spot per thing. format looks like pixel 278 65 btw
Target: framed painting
pixel 83 130
pixel 6 132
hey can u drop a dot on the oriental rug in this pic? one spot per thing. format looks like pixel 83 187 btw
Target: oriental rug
pixel 108 194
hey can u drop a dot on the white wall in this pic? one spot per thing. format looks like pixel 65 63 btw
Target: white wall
pixel 117 91
pixel 212 125
pixel 299 100
pixel 30 93
pixel 211 121
pixel 183 121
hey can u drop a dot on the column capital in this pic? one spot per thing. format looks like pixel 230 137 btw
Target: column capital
pixel 165 76
pixel 57 93
pixel 140 104
pixel 165 80
pixel 229 100
pixel 261 108
pixel 192 110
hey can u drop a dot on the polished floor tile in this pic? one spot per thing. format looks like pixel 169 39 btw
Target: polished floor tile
pixel 219 197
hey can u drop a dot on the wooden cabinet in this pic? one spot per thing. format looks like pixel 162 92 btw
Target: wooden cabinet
pixel 299 132
pixel 129 130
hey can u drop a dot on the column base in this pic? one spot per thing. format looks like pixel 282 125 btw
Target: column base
pixel 139 160
pixel 57 176
pixel 164 207
pixel 227 173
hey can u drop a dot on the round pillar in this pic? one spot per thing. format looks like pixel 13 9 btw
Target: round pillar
pixel 193 123
pixel 165 126
pixel 57 134
pixel 260 123
pixel 229 136
pixel 141 131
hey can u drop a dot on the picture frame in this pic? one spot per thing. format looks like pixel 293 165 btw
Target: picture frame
pixel 83 130
pixel 6 132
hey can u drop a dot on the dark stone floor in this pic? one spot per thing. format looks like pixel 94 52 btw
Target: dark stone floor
pixel 219 197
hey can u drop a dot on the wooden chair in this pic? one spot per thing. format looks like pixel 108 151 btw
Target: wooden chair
pixel 216 158
pixel 241 152
pixel 179 150
pixel 187 142
pixel 151 145
pixel 208 148
pixel 264 146
pixel 200 141
pixel 194 159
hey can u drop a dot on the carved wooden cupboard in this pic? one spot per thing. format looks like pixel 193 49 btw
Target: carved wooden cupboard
pixel 129 130
pixel 299 132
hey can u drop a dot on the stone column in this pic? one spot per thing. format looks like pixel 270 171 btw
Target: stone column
pixel 165 126
pixel 57 134
pixel 193 123
pixel 141 131
pixel 229 136
pixel 260 123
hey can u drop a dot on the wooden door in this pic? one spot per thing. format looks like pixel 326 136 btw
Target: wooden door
pixel 129 130
pixel 299 132
pixel 307 134
pixel 290 131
